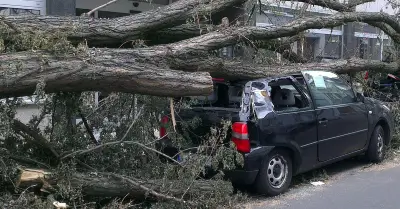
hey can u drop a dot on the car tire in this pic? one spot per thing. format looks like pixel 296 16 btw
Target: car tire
pixel 377 147
pixel 275 173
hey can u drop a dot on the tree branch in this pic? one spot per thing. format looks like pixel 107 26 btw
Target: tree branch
pixel 122 29
pixel 387 29
pixel 242 70
pixel 82 152
pixel 187 31
pixel 334 5
pixel 121 141
pixel 231 36
pixel 37 138
pixel 149 190
pixel 88 128
pixel 27 160
pixel 283 47
pixel 9 24
pixel 143 71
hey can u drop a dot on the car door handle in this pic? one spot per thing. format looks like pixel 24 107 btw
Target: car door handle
pixel 323 121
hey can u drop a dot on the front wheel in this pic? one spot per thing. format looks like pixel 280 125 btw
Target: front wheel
pixel 377 147
pixel 275 174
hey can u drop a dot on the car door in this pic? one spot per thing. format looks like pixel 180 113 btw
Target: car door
pixel 293 121
pixel 342 120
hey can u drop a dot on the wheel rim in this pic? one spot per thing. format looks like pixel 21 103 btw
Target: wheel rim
pixel 380 144
pixel 277 171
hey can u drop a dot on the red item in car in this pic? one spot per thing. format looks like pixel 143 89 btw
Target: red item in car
pixel 163 129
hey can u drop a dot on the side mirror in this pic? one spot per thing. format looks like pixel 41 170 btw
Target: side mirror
pixel 360 97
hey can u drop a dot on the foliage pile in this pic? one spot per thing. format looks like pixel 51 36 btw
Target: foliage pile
pixel 128 146
pixel 130 121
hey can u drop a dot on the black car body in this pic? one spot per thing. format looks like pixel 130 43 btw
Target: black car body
pixel 289 125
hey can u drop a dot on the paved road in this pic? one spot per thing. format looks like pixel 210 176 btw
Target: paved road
pixel 375 187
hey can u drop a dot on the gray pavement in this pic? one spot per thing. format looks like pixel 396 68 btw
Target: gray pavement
pixel 375 187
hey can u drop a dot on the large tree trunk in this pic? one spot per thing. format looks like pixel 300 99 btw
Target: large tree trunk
pixel 235 70
pixel 149 71
pixel 111 185
pixel 117 30
pixel 334 5
pixel 140 71
pixel 233 35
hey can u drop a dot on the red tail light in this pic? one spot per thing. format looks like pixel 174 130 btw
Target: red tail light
pixel 240 136
pixel 163 129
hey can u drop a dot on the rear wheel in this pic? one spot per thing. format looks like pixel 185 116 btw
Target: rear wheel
pixel 377 147
pixel 275 174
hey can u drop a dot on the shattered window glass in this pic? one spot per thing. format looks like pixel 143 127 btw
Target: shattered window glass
pixel 256 98
pixel 261 99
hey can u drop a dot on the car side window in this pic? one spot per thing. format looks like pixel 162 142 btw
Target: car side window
pixel 328 89
pixel 286 97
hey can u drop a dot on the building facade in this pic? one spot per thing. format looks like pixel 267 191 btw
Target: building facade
pixel 16 7
pixel 350 40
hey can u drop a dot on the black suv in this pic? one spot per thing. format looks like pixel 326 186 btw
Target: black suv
pixel 292 124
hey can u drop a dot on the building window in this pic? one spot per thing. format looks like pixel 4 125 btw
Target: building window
pixel 333 39
pixel 4 11
pixel 14 11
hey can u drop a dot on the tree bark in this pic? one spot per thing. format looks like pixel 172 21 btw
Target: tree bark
pixel 283 47
pixel 187 31
pixel 110 185
pixel 234 70
pixel 131 71
pixel 334 5
pixel 395 35
pixel 149 71
pixel 117 30
pixel 178 33
pixel 233 35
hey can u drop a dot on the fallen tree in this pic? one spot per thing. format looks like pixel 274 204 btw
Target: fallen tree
pixel 118 30
pixel 146 72
pixel 139 71
pixel 149 70
pixel 248 71
pixel 114 185
pixel 56 55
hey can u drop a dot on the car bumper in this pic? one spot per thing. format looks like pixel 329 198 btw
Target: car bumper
pixel 252 162
pixel 242 177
